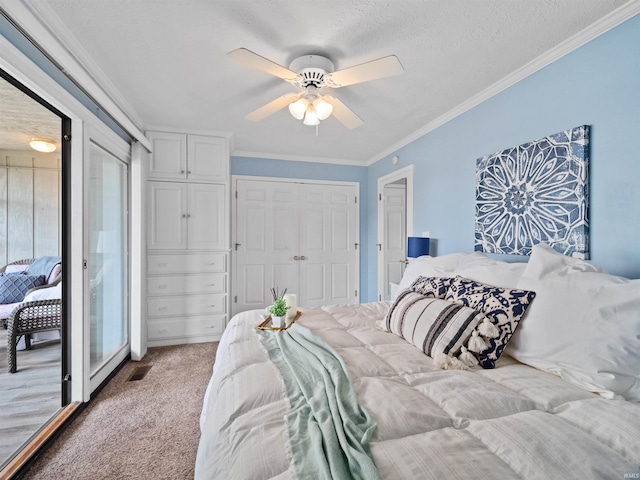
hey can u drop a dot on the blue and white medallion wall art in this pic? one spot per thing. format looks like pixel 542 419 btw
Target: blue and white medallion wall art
pixel 537 192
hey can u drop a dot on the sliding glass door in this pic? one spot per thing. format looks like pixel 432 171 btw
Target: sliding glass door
pixel 108 264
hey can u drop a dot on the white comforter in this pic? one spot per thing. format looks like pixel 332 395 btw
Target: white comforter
pixel 509 422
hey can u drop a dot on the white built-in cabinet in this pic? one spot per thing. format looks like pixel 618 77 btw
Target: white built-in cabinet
pixel 188 157
pixel 187 238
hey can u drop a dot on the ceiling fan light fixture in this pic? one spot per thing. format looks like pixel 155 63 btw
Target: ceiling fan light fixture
pixel 298 108
pixel 323 109
pixel 311 117
pixel 42 145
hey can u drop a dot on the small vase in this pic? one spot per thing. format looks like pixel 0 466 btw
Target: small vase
pixel 278 322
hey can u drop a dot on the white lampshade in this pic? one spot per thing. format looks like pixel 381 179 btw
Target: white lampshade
pixel 311 117
pixel 323 109
pixel 298 108
pixel 42 145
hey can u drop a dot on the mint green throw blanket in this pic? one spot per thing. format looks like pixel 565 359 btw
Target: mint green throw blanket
pixel 329 431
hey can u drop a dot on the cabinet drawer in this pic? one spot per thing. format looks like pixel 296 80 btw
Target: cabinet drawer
pixel 186 305
pixel 186 327
pixel 186 284
pixel 193 263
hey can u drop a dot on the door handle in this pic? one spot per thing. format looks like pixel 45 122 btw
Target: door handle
pixel 379 246
pixel 303 257
pixel 296 257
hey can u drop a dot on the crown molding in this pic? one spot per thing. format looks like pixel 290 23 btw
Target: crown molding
pixel 298 158
pixel 188 131
pixel 606 23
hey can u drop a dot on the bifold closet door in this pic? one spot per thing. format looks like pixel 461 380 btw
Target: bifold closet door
pixel 295 235
pixel 328 238
pixel 266 242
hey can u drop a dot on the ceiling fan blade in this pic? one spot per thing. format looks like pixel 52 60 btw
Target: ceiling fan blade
pixel 343 113
pixel 380 68
pixel 272 107
pixel 253 60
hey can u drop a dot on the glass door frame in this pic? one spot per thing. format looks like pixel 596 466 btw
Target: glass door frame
pixel 121 151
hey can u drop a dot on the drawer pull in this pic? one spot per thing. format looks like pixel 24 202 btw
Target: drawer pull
pixel 212 306
pixel 162 309
pixel 162 287
pixel 163 330
pixel 162 264
pixel 212 284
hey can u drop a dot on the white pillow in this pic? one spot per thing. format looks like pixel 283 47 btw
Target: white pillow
pixel 428 266
pixel 584 325
pixel 490 271
pixel 45 293
pixel 16 268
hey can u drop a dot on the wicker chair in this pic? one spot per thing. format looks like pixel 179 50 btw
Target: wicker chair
pixel 28 318
pixel 26 261
pixel 31 317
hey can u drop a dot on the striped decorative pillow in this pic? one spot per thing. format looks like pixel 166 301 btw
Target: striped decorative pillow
pixel 431 324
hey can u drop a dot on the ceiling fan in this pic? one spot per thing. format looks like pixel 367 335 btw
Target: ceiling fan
pixel 312 74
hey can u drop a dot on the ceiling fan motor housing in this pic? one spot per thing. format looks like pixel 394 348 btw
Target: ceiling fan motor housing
pixel 311 70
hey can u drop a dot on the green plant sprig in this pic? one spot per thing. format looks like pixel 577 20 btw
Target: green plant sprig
pixel 279 308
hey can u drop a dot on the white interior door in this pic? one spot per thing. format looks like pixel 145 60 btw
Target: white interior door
pixel 266 242
pixel 394 242
pixel 328 250
pixel 298 236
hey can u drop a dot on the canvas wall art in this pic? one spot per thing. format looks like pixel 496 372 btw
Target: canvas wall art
pixel 536 192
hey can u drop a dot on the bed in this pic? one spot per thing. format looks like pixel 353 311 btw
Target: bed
pixel 561 406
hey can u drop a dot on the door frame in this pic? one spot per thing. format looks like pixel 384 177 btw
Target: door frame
pixel 407 173
pixel 234 200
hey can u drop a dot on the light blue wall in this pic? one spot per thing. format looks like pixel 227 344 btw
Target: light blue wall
pixel 598 85
pixel 263 167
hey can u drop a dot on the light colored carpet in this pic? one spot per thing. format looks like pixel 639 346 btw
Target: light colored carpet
pixel 146 429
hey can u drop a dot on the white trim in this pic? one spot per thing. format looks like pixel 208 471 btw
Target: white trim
pixel 406 172
pixel 593 31
pixel 298 158
pixel 35 18
pixel 188 131
pixel 235 178
pixel 234 188
pixel 138 251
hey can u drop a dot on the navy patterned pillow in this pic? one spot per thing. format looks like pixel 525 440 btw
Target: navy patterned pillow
pixel 432 287
pixel 504 307
pixel 13 288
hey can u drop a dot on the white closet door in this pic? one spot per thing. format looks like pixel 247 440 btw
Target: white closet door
pixel 395 235
pixel 267 242
pixel 328 237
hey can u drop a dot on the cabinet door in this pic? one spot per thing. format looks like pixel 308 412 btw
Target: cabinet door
pixel 207 159
pixel 207 217
pixel 167 222
pixel 169 157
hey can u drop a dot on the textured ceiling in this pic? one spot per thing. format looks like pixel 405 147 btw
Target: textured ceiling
pixel 22 118
pixel 167 60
